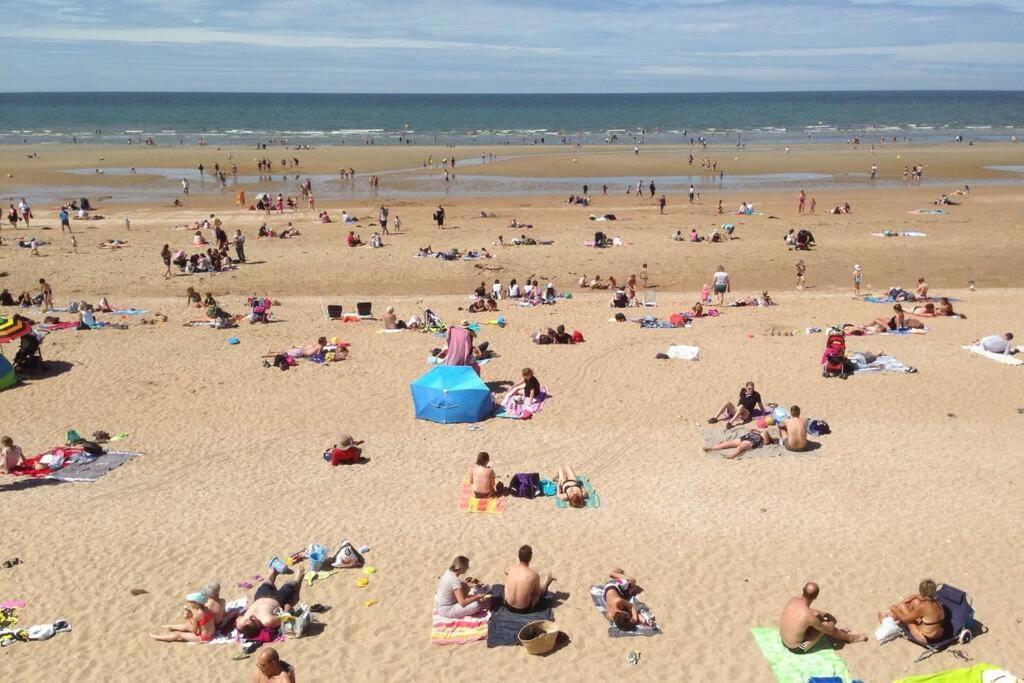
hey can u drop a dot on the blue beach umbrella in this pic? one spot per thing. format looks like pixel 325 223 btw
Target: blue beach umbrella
pixel 451 393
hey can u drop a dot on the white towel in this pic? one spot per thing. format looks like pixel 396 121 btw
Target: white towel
pixel 998 357
pixel 887 630
pixel 683 352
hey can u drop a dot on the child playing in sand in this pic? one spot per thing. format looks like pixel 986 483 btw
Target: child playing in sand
pixel 801 270
pixel 856 279
pixel 10 456
pixel 345 451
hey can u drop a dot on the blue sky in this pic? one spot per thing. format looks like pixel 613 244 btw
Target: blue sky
pixel 512 46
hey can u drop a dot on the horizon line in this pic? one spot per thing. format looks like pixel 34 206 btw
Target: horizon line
pixel 442 94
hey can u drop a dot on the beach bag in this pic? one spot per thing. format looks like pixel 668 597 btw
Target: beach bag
pixel 577 337
pixel 548 487
pixel 818 427
pixel 525 485
pixel 92 448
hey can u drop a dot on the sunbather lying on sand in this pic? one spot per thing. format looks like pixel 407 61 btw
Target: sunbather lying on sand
pixel 523 587
pixel 303 351
pixel 455 595
pixel 200 625
pixel 618 608
pixel 921 613
pixel 755 438
pixel 569 488
pixel 269 601
pixel 801 627
pixel 741 413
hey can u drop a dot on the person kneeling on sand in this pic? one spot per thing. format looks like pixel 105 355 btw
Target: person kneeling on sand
pixel 455 597
pixel 793 432
pixel 270 601
pixel 270 668
pixel 801 627
pixel 523 587
pixel 482 479
pixel 200 624
pixel 755 438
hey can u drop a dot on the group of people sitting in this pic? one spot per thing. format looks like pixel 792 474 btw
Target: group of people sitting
pixel 453 254
pixel 899 321
pixel 288 232
pixel 792 428
pixel 715 236
pixel 802 240
pixel 557 335
pixel 531 292
pixel 845 208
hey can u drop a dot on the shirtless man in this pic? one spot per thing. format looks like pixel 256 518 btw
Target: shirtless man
pixel 523 588
pixel 481 476
pixel 47 293
pixel 801 627
pixel 618 608
pixel 271 669
pixel 921 291
pixel 268 601
pixel 793 432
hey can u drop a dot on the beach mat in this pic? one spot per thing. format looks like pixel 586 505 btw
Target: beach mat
pixel 997 357
pixel 711 437
pixel 793 668
pixel 470 503
pixel 597 596
pixel 446 631
pixel 94 469
pixel 504 626
pixel 593 499
pixel 971 674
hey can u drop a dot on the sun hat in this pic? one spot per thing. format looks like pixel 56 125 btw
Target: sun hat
pixel 345 442
pixel 198 597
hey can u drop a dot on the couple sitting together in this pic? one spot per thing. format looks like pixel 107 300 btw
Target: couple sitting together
pixel 485 483
pixel 524 591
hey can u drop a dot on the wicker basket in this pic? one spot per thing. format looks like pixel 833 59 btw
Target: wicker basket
pixel 539 637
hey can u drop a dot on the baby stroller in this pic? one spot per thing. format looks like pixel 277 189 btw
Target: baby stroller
pixel 957 622
pixel 259 310
pixel 833 360
pixel 29 357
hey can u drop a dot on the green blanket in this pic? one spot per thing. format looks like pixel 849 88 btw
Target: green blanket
pixel 792 668
pixel 593 500
pixel 971 674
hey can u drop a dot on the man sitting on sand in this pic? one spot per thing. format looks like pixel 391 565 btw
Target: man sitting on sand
pixel 482 478
pixel 271 669
pixel 793 432
pixel 755 438
pixel 269 601
pixel 523 588
pixel 801 627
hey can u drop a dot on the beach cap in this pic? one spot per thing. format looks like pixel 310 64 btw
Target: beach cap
pixel 198 597
pixel 856 266
pixel 346 441
pixel 464 323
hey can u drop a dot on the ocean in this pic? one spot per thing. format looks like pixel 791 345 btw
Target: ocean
pixel 344 119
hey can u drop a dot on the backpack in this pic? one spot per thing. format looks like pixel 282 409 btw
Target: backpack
pixel 525 485
pixel 92 448
pixel 818 427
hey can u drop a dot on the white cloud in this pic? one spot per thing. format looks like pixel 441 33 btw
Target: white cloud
pixel 975 52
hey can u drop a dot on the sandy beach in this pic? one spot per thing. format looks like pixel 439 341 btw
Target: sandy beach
pixel 919 477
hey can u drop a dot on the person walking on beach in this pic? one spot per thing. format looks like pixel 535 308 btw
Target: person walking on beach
pixel 856 279
pixel 47 292
pixel 65 220
pixel 165 255
pixel 651 188
pixel 692 192
pixel 721 284
pixel 439 217
pixel 801 198
pixel 801 270
pixel 874 171
pixel 184 186
pixel 604 190
pixel 239 241
pixel 661 204
pixel 383 219
pixel 812 207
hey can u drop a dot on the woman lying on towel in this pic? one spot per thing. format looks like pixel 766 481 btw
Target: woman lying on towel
pixel 457 597
pixel 755 438
pixel 569 488
pixel 619 608
pixel 320 348
pixel 921 613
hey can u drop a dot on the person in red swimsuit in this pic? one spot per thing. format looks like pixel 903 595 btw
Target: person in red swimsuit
pixel 345 451
pixel 199 626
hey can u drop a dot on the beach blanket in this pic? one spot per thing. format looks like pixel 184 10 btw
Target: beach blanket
pixel 793 668
pixel 127 311
pixel 470 503
pixel 683 352
pixel 997 357
pixel 597 596
pixel 504 626
pixel 592 501
pixel 883 364
pixel 57 327
pixel 70 463
pixel 445 631
pixel 524 411
pixel 971 674
pixel 934 212
pixel 891 233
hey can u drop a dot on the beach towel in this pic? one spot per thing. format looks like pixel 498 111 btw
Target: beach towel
pixel 470 503
pixel 597 596
pixel 593 500
pixel 57 327
pixel 972 674
pixel 683 352
pixel 793 668
pixel 504 625
pixel 890 233
pixel 522 411
pixel 934 212
pixel 460 347
pixel 92 469
pixel 882 364
pixel 127 311
pixel 445 631
pixel 40 465
pixel 997 357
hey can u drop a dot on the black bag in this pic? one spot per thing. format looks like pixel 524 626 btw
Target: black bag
pixel 525 485
pixel 92 448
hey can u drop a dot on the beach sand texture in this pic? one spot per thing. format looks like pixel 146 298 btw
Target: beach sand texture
pixel 920 477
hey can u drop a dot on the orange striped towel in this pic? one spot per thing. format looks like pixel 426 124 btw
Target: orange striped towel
pixel 445 631
pixel 470 503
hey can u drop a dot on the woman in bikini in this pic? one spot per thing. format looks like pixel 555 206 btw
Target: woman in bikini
pixel 921 613
pixel 569 488
pixel 199 627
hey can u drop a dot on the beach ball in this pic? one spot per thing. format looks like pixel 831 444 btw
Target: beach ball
pixel 780 414
pixel 770 421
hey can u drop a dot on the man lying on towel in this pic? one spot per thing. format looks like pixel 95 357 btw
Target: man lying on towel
pixel 618 607
pixel 801 627
pixel 265 610
pixel 523 588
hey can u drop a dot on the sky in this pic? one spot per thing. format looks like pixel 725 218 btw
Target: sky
pixel 480 46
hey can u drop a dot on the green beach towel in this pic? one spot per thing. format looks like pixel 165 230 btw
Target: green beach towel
pixel 792 668
pixel 971 674
pixel 593 500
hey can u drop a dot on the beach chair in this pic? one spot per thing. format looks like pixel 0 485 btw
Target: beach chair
pixel 650 299
pixel 364 309
pixel 334 311
pixel 957 623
